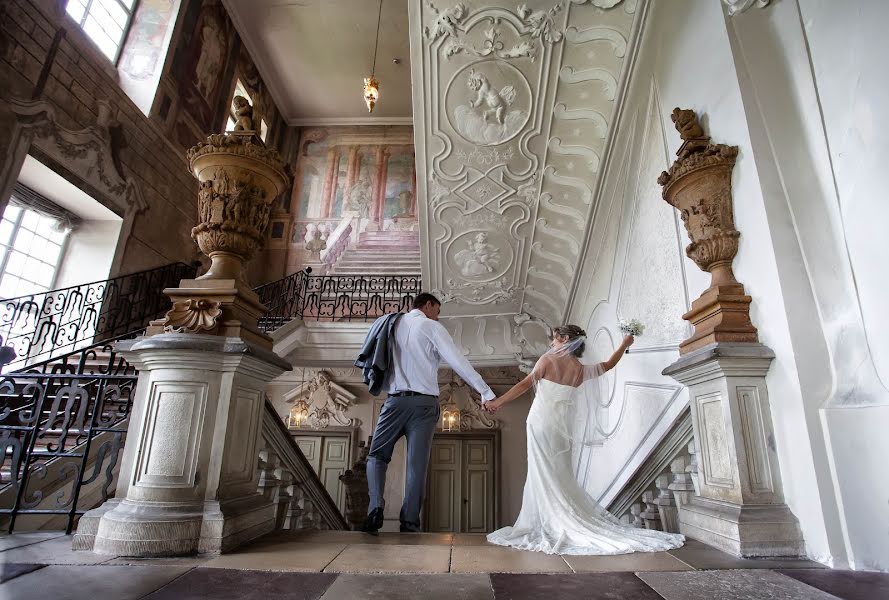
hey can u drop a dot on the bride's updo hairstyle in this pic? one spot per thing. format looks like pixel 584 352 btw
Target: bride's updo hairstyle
pixel 573 332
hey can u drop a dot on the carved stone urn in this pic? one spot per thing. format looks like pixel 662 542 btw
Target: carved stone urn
pixel 699 184
pixel 239 180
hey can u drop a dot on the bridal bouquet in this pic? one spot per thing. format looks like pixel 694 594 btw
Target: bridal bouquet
pixel 631 327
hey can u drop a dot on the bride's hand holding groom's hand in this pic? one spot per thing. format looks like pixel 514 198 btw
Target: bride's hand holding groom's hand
pixel 492 406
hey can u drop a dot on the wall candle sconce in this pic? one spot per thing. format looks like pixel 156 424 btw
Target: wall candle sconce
pixel 450 418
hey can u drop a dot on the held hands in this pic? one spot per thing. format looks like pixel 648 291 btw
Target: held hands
pixel 492 406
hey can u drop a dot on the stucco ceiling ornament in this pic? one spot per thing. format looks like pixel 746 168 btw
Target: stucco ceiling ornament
pixel 492 75
pixel 485 157
pixel 736 7
pixel 497 292
pixel 699 184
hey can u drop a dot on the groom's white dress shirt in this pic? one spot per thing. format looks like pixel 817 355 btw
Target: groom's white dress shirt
pixel 420 345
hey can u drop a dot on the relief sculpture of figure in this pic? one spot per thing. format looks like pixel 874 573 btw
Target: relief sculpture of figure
pixel 480 258
pixel 489 99
pixel 213 45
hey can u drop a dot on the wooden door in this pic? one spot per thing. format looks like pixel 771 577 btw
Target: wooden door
pixel 478 486
pixel 461 485
pixel 334 462
pixel 443 506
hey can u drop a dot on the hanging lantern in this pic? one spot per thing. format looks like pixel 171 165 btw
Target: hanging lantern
pixel 371 92
pixel 371 85
pixel 450 417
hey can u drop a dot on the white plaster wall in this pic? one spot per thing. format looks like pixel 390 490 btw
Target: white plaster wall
pixel 89 253
pixel 686 60
pixel 814 87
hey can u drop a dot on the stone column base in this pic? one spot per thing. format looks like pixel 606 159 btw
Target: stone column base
pixel 748 531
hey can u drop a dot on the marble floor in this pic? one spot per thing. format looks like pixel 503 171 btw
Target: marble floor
pixel 350 565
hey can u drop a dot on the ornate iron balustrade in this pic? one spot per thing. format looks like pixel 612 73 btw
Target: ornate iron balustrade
pixel 41 326
pixel 335 297
pixel 62 427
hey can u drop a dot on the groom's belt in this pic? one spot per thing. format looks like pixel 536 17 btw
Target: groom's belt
pixel 409 393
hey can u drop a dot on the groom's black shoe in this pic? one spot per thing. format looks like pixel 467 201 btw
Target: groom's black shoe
pixel 373 522
pixel 409 528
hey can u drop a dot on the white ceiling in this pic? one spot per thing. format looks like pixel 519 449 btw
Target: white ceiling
pixel 314 55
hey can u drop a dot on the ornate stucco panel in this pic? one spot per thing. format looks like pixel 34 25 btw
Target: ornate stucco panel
pixel 512 107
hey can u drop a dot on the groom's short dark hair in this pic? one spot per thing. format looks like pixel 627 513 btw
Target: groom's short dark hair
pixel 423 298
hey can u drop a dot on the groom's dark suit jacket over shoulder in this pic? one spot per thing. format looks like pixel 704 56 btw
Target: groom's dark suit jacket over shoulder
pixel 376 352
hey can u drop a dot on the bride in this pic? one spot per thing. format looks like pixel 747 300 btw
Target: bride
pixel 558 516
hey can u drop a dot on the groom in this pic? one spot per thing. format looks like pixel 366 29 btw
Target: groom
pixel 418 344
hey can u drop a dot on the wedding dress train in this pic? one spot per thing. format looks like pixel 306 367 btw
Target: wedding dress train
pixel 558 516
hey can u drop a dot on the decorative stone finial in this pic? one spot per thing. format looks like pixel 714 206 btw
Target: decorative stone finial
pixel 699 184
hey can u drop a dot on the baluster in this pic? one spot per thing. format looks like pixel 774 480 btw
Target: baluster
pixel 636 516
pixel 285 498
pixel 651 516
pixel 692 467
pixel 666 504
pixel 269 483
pixel 682 486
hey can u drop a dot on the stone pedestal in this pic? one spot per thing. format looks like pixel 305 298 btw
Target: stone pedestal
pixel 741 507
pixel 189 478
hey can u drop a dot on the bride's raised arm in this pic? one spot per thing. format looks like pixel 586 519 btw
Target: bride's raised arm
pixel 618 354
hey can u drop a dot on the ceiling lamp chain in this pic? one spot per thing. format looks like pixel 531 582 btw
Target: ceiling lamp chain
pixel 371 85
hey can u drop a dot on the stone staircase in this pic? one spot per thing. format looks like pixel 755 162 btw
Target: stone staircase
pixel 382 253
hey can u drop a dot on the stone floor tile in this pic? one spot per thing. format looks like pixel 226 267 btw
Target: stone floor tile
pixel 357 537
pixel 848 585
pixel 12 570
pixel 53 551
pixel 278 556
pixel 701 556
pixel 411 587
pixel 750 584
pixel 17 540
pixel 585 586
pixel 230 584
pixel 471 539
pixel 638 561
pixel 90 582
pixel 496 559
pixel 391 558
pixel 178 561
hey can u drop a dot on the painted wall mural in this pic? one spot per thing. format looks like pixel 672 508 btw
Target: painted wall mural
pixel 362 171
pixel 197 86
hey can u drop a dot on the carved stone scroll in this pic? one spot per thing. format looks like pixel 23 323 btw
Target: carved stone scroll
pixel 699 184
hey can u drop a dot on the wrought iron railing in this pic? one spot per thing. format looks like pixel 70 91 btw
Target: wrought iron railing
pixel 62 426
pixel 335 297
pixel 41 326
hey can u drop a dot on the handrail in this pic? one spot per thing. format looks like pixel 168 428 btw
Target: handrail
pixel 43 325
pixel 279 440
pixel 337 241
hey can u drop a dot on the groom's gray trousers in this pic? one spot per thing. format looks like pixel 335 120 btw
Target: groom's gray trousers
pixel 414 417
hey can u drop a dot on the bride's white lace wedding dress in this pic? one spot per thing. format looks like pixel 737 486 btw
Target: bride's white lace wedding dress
pixel 558 516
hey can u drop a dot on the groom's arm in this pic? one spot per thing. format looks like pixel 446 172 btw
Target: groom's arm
pixel 450 354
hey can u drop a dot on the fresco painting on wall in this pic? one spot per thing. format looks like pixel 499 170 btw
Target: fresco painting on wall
pixel 142 52
pixel 339 171
pixel 200 64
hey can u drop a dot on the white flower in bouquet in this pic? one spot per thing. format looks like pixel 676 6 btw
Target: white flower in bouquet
pixel 632 327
